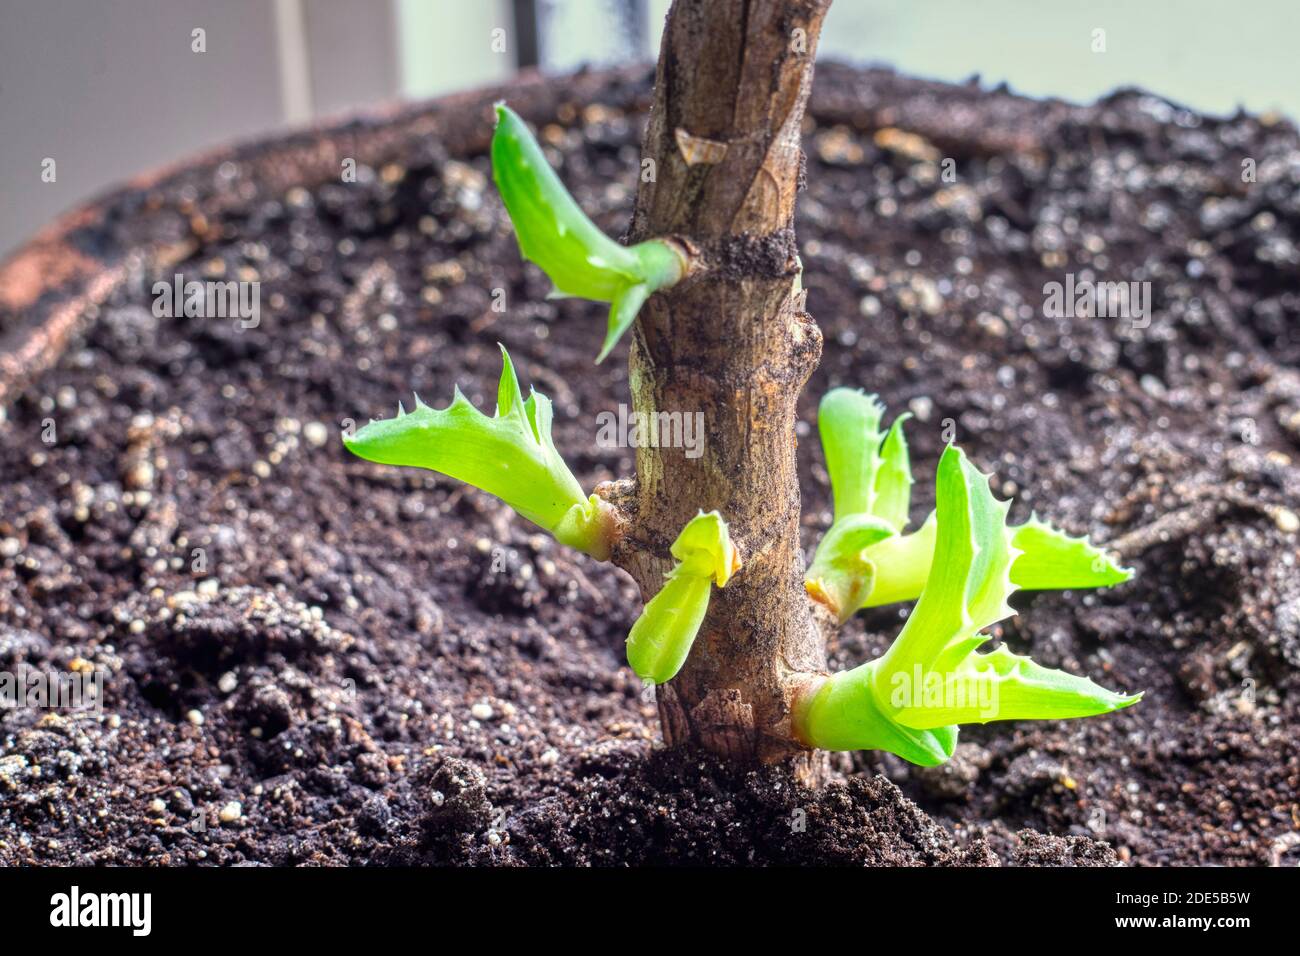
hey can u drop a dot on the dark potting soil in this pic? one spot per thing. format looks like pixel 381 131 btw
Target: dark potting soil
pixel 316 660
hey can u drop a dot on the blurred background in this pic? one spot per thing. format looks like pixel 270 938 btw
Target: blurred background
pixel 112 88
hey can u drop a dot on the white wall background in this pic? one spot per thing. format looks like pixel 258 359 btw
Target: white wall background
pixel 1210 55
pixel 110 88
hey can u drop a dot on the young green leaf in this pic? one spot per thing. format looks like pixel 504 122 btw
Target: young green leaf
pixel 970 575
pixel 556 234
pixel 1050 559
pixel 849 710
pixel 900 565
pixel 871 481
pixel 841 576
pixel 1001 685
pixel 893 484
pixel 849 423
pixel 510 455
pixel 662 636
pixel 931 679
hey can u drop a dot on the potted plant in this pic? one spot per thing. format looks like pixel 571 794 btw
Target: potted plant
pixel 314 658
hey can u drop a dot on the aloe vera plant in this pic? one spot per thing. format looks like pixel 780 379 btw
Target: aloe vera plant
pixel 713 283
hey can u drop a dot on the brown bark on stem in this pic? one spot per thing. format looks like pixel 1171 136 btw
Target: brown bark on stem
pixel 731 341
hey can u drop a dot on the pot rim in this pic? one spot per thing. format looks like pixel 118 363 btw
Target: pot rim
pixel 52 286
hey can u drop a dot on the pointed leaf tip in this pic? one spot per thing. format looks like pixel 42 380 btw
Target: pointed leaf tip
pixel 510 399
pixel 1051 559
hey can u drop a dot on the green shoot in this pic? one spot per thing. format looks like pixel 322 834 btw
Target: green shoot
pixel 509 455
pixel 849 424
pixel 556 234
pixel 842 575
pixel 662 636
pixel 871 480
pixel 904 564
pixel 910 700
